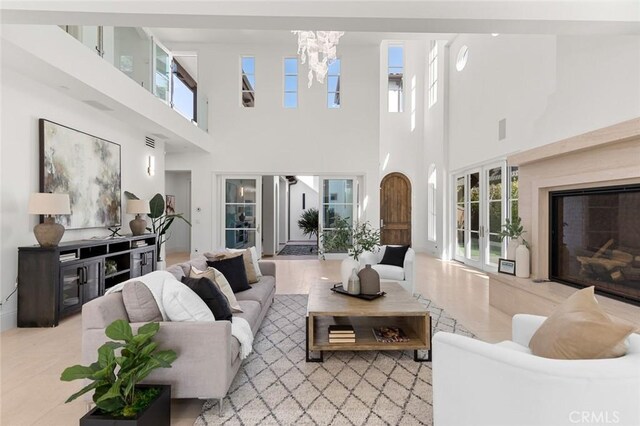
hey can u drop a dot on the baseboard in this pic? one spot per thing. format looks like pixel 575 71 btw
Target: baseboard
pixel 8 320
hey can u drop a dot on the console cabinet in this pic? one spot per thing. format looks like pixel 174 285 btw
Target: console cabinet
pixel 55 282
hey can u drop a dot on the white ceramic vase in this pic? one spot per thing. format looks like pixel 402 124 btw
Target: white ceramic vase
pixel 347 266
pixel 512 245
pixel 161 265
pixel 523 266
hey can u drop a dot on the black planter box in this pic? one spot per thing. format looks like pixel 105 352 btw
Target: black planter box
pixel 158 413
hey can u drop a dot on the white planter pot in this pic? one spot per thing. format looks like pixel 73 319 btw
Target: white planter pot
pixel 512 245
pixel 161 265
pixel 346 267
pixel 523 266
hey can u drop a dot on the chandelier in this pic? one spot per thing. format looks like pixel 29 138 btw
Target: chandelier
pixel 320 49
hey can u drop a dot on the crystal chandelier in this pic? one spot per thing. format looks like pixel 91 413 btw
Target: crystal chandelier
pixel 320 49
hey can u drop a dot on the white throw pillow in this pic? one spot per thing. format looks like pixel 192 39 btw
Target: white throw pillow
pixel 254 258
pixel 183 304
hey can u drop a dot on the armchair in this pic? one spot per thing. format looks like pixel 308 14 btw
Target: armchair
pixel 479 383
pixel 404 276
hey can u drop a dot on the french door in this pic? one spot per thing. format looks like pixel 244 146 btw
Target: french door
pixel 338 200
pixel 242 212
pixel 480 210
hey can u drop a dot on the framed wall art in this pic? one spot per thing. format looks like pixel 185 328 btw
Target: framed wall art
pixel 86 167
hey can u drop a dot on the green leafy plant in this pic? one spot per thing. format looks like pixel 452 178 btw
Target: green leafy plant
pixel 355 240
pixel 115 375
pixel 308 222
pixel 160 220
pixel 512 229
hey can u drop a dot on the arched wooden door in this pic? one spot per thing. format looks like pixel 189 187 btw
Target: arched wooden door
pixel 395 209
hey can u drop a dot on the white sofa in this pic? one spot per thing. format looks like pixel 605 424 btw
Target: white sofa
pixel 405 276
pixel 478 383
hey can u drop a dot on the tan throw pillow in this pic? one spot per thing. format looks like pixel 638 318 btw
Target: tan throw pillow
pixel 580 329
pixel 139 303
pixel 247 258
pixel 222 283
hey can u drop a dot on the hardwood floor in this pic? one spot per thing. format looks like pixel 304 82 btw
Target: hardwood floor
pixel 32 359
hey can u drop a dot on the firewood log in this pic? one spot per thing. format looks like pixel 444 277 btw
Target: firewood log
pixel 621 256
pixel 608 264
pixel 603 249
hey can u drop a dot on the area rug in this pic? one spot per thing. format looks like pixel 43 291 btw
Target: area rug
pixel 298 250
pixel 275 386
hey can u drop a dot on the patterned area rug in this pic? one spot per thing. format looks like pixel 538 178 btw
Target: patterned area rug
pixel 298 250
pixel 275 386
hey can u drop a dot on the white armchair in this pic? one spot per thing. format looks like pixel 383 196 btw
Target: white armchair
pixel 405 276
pixel 478 383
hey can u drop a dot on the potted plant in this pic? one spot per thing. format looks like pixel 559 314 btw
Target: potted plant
pixel 354 240
pixel 114 377
pixel 513 230
pixel 160 222
pixel 308 223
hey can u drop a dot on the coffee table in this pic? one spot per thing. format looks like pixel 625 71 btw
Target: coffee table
pixel 397 308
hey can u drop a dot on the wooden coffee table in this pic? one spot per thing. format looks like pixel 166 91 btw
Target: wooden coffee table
pixel 397 308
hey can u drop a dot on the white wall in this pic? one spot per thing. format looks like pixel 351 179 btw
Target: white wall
pixel 402 133
pixel 548 88
pixel 296 210
pixel 268 139
pixel 24 101
pixel 179 184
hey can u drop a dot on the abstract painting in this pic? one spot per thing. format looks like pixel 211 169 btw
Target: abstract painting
pixel 85 167
pixel 171 204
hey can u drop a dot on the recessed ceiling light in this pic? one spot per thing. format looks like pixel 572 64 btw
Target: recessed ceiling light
pixel 463 56
pixel 495 34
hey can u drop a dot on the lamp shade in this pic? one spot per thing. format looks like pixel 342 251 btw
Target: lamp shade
pixel 138 206
pixel 45 203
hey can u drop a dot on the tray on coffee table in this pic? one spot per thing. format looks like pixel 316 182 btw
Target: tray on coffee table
pixel 338 288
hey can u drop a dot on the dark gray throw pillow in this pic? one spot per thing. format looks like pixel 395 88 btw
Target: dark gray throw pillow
pixel 394 255
pixel 211 296
pixel 234 271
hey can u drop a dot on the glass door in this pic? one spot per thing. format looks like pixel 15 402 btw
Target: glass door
pixel 242 212
pixel 72 280
pixel 161 71
pixel 339 202
pixel 92 285
pixel 480 212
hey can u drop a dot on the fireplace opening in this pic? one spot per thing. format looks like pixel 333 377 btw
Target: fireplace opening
pixel 595 239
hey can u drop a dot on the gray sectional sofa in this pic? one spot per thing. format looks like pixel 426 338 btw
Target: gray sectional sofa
pixel 208 355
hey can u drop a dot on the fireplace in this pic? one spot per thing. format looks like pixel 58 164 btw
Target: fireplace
pixel 595 239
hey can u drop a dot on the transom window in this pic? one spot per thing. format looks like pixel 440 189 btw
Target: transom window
pixel 290 82
pixel 433 73
pixel 395 62
pixel 333 84
pixel 248 75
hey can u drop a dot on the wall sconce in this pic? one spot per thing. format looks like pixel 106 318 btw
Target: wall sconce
pixel 151 165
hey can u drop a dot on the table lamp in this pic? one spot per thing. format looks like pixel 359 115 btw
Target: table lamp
pixel 49 233
pixel 138 207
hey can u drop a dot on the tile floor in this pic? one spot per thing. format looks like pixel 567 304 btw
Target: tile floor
pixel 32 359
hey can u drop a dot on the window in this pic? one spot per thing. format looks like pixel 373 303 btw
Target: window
pixel 513 191
pixel 337 204
pixel 290 82
pixel 431 200
pixel 433 73
pixel 333 85
pixel 183 92
pixel 248 81
pixel 395 68
pixel 463 57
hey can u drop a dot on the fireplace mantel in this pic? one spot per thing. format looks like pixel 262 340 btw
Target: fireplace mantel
pixel 604 157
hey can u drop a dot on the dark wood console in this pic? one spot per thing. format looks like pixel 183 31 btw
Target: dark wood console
pixel 55 282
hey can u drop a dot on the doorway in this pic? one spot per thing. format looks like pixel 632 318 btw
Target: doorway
pixel 395 209
pixel 178 200
pixel 480 210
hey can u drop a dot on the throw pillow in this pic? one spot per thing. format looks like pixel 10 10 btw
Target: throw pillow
pixel 222 283
pixel 580 329
pixel 254 259
pixel 182 304
pixel 394 255
pixel 211 295
pixel 140 303
pixel 247 258
pixel 234 271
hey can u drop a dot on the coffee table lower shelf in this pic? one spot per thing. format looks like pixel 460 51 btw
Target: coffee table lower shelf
pixel 417 328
